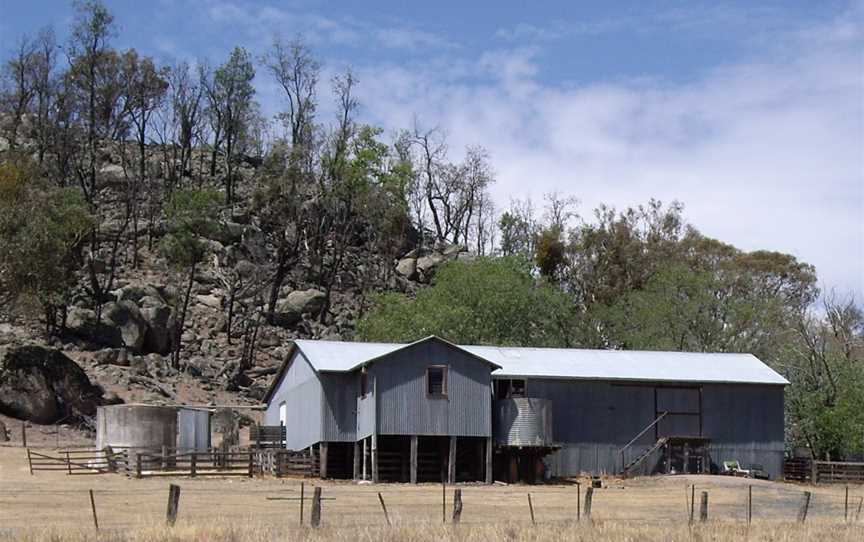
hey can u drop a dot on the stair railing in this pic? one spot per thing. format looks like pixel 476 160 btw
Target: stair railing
pixel 637 437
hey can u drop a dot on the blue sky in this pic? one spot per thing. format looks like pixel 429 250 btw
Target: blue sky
pixel 750 113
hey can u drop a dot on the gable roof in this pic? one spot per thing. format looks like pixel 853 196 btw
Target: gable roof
pixel 344 356
pixel 563 363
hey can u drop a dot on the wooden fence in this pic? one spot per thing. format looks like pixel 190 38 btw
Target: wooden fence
pixel 76 462
pixel 837 472
pixel 267 436
pixel 798 469
pixel 209 463
pixel 826 472
pixel 283 462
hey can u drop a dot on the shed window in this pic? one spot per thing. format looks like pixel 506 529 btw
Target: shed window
pixel 436 380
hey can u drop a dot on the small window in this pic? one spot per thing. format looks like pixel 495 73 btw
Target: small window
pixel 364 383
pixel 436 380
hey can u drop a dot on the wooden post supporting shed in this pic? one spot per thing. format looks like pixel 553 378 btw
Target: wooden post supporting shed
pixel 451 462
pixel 374 458
pixel 489 460
pixel 414 445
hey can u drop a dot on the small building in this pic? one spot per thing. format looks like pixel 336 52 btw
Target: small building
pixel 432 410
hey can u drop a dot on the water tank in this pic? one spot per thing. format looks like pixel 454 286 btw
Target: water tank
pixel 136 426
pixel 193 429
pixel 522 421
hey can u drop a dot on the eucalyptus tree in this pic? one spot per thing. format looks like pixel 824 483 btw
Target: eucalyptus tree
pixel 145 86
pixel 289 173
pixel 230 93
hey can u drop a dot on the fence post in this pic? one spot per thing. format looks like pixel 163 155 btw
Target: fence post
pixel 315 520
pixel 252 462
pixel 858 513
pixel 30 461
pixel 703 508
pixel 457 505
pixel 749 505
pixel 68 463
pixel 443 502
pixel 589 498
pixel 138 465
pixel 531 508
pixel 578 501
pixel 173 504
pixel 193 464
pixel 692 502
pixel 814 472
pixel 846 506
pixel 805 505
pixel 302 498
pixel 93 507
pixel 384 508
pixel 24 434
pixel 164 457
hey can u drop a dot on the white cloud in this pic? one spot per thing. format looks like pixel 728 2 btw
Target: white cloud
pixel 765 154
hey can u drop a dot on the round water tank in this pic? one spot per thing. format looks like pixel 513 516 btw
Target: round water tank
pixel 522 421
pixel 136 426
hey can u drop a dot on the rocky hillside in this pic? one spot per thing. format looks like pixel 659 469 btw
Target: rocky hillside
pixel 125 345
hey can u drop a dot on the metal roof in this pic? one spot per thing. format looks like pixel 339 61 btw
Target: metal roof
pixel 568 363
pixel 628 365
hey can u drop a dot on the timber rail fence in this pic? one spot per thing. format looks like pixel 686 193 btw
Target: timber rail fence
pixel 147 462
pixel 823 472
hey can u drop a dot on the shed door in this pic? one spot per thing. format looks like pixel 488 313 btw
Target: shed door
pixel 684 407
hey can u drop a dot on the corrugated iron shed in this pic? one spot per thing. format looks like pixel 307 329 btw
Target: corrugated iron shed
pixel 568 363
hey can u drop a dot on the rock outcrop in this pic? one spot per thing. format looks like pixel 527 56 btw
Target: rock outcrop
pixel 420 266
pixel 291 309
pixel 44 386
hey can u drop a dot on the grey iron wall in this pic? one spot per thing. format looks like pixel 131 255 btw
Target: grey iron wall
pixel 402 404
pixel 366 412
pixel 301 391
pixel 340 406
pixel 592 420
pixel 745 422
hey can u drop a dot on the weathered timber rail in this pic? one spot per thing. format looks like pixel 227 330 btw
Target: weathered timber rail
pixel 825 472
pixel 77 461
pixel 209 463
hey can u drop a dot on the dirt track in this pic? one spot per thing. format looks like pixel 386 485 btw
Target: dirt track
pixel 58 499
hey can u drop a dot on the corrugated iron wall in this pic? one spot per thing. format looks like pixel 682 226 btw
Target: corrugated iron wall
pixel 404 408
pixel 593 420
pixel 340 403
pixel 302 394
pixel 366 413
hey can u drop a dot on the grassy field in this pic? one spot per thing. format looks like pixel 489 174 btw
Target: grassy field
pixel 54 506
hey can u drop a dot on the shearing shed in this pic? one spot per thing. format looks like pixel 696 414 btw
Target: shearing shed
pixel 432 411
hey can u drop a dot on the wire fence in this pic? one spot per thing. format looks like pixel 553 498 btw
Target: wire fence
pixel 289 503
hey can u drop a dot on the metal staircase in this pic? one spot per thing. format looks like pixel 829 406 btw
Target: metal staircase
pixel 625 466
pixel 644 455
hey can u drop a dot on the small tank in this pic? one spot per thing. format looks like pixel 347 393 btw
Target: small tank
pixel 152 427
pixel 136 426
pixel 522 421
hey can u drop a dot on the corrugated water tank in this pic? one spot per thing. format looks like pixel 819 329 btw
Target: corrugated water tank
pixel 522 421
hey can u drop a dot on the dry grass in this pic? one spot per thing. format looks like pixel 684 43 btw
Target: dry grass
pixel 611 532
pixel 53 506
